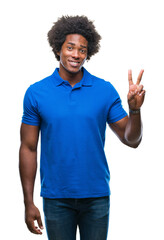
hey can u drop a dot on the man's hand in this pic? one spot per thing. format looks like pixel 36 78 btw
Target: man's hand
pixel 136 93
pixel 31 214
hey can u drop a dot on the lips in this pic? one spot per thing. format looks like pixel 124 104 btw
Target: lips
pixel 74 63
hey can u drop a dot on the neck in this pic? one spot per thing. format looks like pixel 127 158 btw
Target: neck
pixel 72 78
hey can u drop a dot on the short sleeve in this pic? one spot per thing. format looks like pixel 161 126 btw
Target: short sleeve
pixel 116 111
pixel 30 109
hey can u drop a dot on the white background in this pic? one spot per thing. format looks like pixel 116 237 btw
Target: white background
pixel 132 38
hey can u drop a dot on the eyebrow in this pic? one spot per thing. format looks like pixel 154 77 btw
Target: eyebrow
pixel 74 44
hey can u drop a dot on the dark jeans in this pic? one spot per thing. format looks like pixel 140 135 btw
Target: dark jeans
pixel 63 215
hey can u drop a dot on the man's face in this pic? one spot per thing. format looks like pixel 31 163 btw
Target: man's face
pixel 73 53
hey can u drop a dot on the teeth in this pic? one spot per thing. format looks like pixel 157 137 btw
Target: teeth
pixel 74 63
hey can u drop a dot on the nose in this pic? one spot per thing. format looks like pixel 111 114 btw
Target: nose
pixel 75 53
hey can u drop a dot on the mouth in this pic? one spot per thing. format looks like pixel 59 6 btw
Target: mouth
pixel 74 63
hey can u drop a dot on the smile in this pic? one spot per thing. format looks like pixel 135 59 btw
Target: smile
pixel 74 64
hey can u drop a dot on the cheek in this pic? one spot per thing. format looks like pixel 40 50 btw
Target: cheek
pixel 61 57
pixel 64 55
pixel 84 59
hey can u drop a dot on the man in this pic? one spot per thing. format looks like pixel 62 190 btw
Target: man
pixel 71 108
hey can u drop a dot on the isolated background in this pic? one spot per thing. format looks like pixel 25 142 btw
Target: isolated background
pixel 132 38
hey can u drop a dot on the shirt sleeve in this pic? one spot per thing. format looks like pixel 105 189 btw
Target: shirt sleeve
pixel 116 111
pixel 30 109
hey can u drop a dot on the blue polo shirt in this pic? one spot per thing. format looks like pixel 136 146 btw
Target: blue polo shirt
pixel 72 123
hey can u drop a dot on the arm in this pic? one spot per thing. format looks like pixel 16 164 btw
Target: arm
pixel 129 129
pixel 27 168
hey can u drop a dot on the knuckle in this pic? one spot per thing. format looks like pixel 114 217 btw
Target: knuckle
pixel 38 216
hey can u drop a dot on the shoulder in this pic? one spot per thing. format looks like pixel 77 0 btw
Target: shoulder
pixel 41 83
pixel 38 89
pixel 97 81
pixel 103 85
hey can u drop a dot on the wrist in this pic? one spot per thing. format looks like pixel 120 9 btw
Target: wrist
pixel 28 202
pixel 135 111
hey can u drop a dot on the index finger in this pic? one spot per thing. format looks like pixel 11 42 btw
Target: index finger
pixel 130 77
pixel 139 77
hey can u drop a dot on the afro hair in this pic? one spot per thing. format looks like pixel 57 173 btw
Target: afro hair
pixel 74 25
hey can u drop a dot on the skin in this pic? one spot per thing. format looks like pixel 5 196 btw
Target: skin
pixel 72 57
pixel 128 129
pixel 28 167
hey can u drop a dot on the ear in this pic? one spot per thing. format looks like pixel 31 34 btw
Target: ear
pixel 58 53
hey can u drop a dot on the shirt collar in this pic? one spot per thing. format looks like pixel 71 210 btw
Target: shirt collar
pixel 85 81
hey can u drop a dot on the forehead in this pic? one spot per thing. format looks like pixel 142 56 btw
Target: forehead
pixel 77 39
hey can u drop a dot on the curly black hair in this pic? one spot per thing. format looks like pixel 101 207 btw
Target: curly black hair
pixel 74 25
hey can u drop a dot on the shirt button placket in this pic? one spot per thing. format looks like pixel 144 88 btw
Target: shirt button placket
pixel 71 96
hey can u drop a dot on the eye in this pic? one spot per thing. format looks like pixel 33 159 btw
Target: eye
pixel 83 51
pixel 69 48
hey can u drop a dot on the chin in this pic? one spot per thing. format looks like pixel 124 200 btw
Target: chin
pixel 72 69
